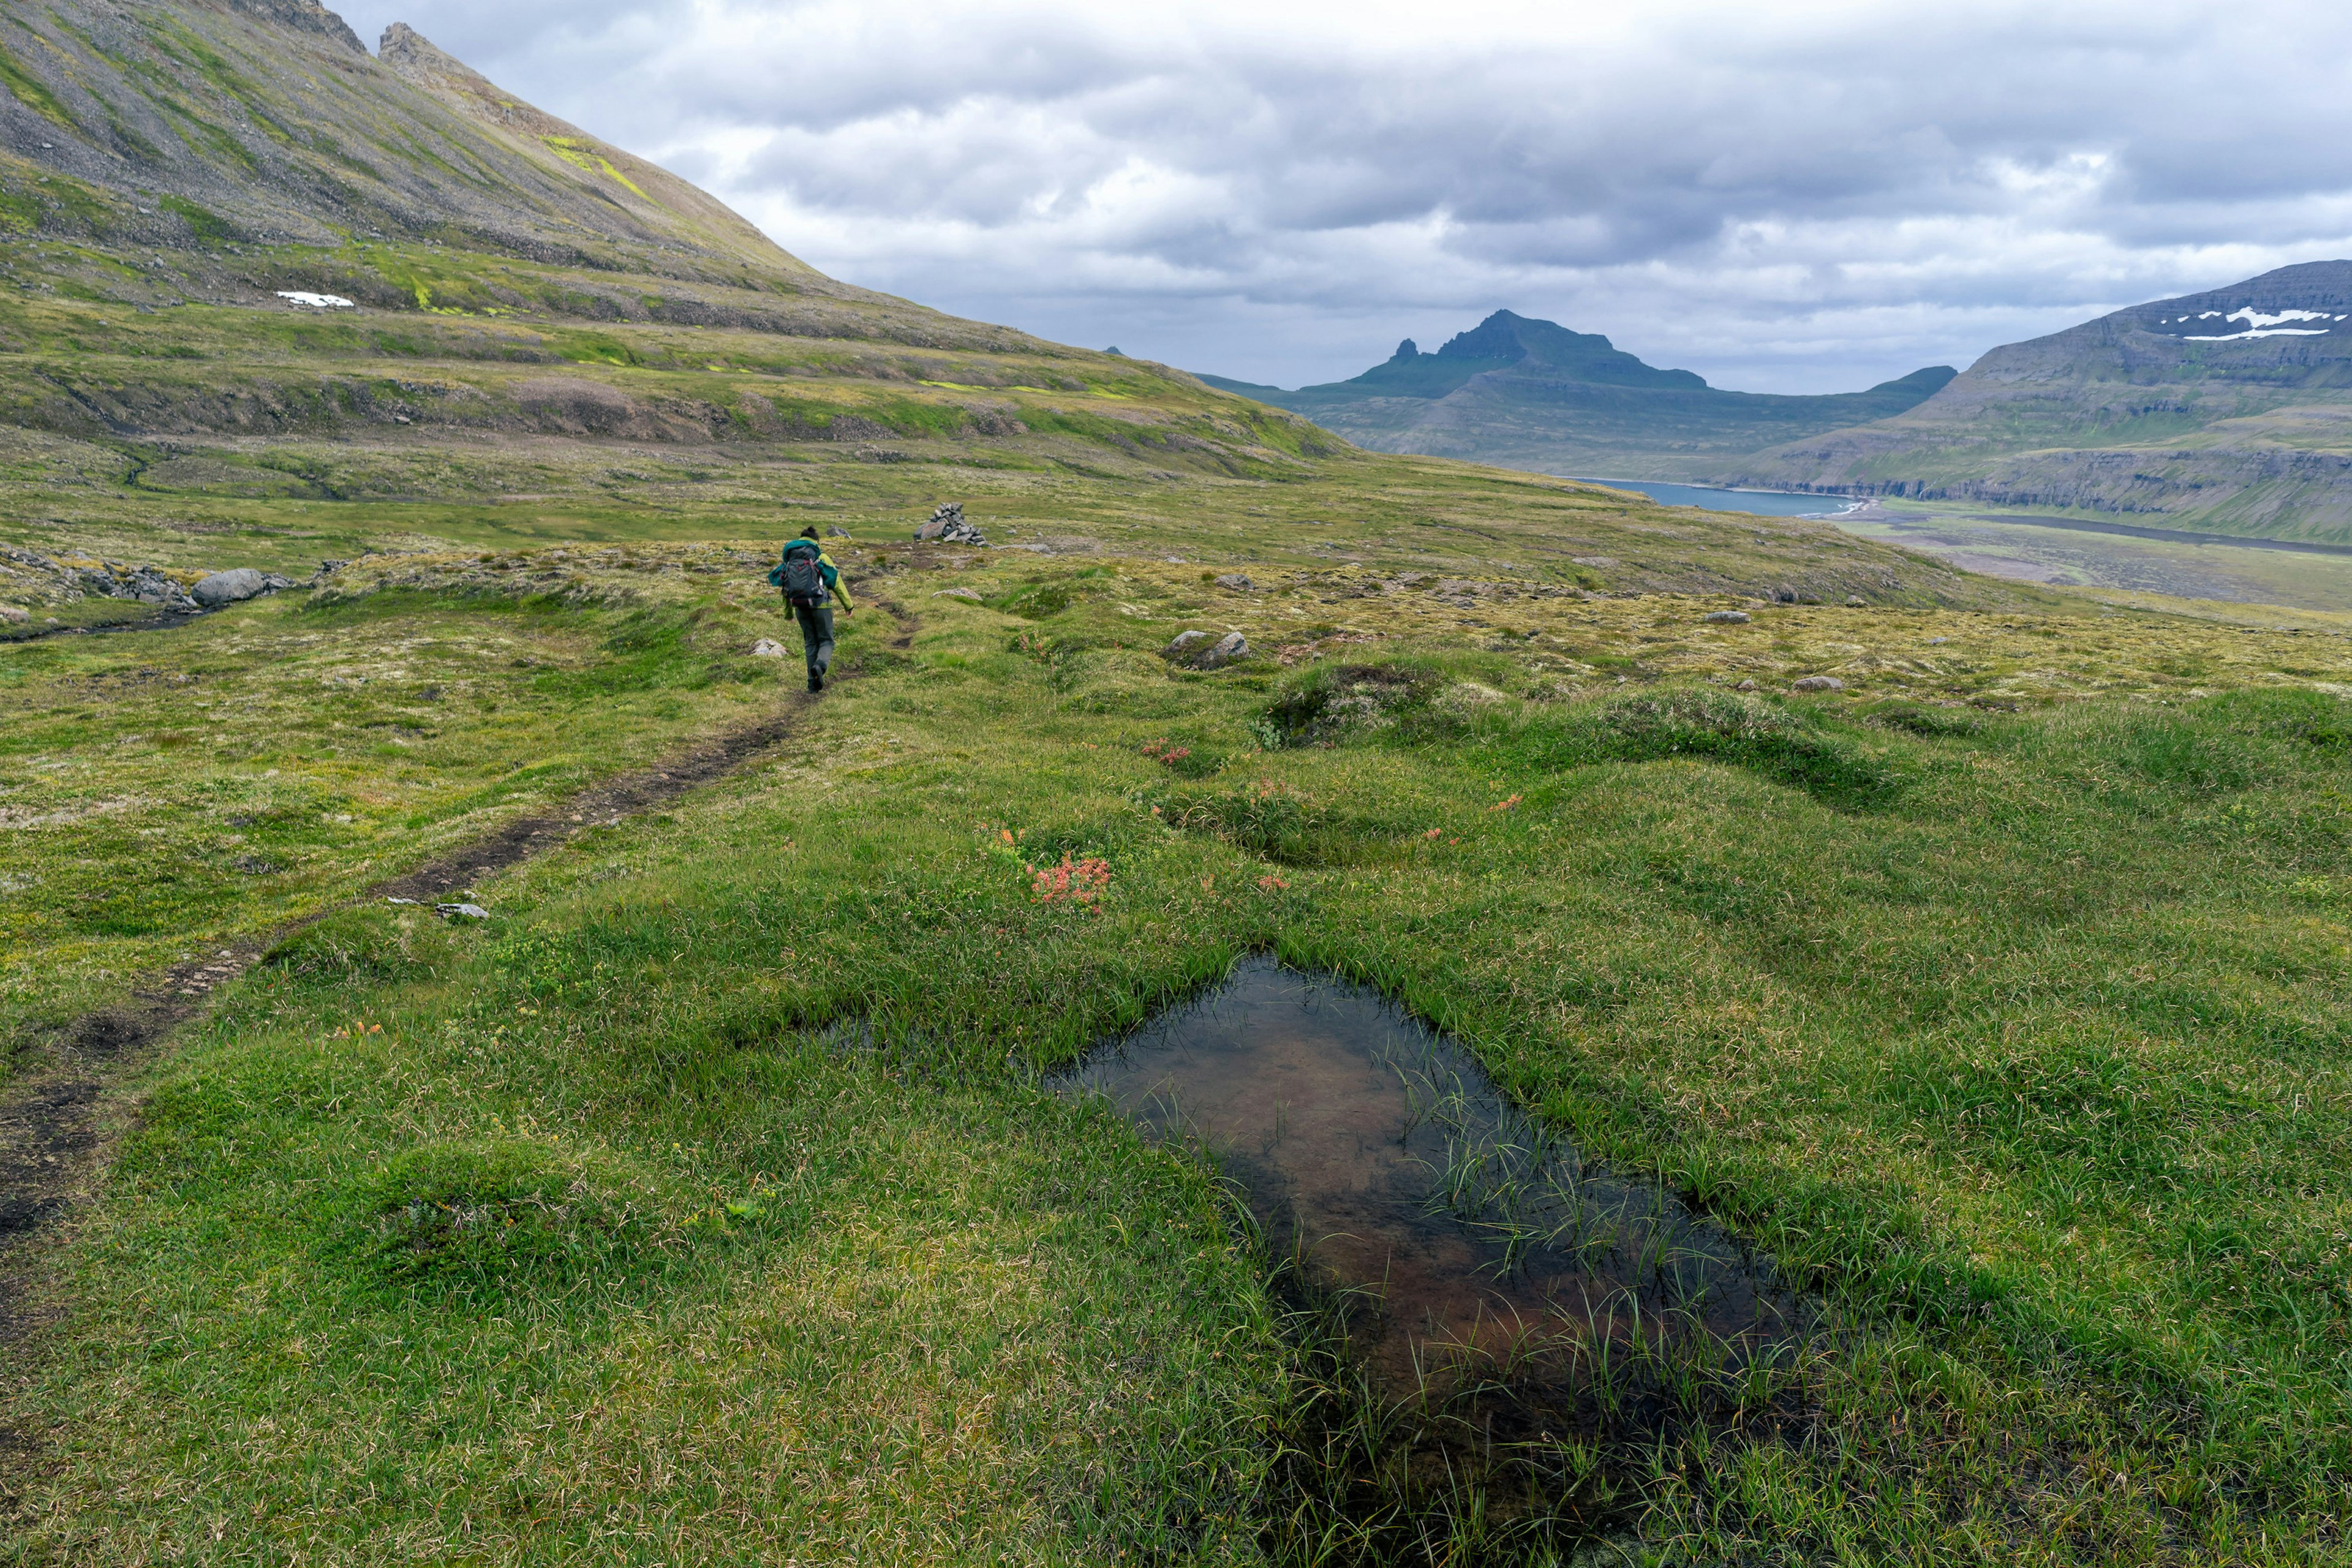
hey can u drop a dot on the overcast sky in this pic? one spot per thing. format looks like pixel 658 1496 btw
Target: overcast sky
pixel 1784 197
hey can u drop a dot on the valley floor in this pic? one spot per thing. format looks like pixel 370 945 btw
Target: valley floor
pixel 712 1200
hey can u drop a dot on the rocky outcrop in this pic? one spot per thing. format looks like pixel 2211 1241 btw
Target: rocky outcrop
pixel 32 576
pixel 304 17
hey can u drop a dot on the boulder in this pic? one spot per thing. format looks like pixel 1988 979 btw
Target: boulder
pixel 15 616
pixel 1186 644
pixel 233 586
pixel 1857 601
pixel 1819 683
pixel 1745 686
pixel 1230 648
pixel 1234 581
pixel 837 530
pixel 461 911
pixel 1728 617
pixel 769 647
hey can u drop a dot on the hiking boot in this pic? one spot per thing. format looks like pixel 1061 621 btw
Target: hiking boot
pixel 816 682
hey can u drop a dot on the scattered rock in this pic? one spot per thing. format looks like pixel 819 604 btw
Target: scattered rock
pixel 837 530
pixel 1857 601
pixel 948 526
pixel 1236 583
pixel 461 911
pixel 1728 617
pixel 768 647
pixel 1232 648
pixel 233 586
pixel 956 593
pixel 1203 650
pixel 1938 642
pixel 255 865
pixel 392 901
pixel 1745 686
pixel 1819 683
pixel 15 616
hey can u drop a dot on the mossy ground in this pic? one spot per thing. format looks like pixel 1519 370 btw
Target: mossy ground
pixel 2000 994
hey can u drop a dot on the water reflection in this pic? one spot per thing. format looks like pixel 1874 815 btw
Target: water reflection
pixel 1379 1156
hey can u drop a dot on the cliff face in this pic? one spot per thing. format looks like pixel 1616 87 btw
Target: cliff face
pixel 2228 411
pixel 1534 394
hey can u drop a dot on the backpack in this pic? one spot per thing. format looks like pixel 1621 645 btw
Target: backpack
pixel 799 574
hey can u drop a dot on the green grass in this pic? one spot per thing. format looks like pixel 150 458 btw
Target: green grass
pixel 713 1201
pixel 710 1203
pixel 180 790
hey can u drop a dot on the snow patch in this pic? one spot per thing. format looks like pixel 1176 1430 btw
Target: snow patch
pixel 2261 326
pixel 316 301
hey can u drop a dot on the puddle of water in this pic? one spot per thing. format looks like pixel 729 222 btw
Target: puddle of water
pixel 1476 1244
pixel 169 620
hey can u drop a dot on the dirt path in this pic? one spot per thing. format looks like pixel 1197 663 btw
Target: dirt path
pixel 56 1124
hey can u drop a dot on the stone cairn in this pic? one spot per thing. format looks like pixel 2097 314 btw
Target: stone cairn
pixel 948 526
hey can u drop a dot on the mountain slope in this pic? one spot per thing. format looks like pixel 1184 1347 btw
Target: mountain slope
pixel 502 325
pixel 1534 394
pixel 2229 411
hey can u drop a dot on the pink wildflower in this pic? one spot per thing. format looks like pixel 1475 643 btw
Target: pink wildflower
pixel 1080 882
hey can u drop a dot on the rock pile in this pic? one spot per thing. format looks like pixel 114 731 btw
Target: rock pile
pixel 948 526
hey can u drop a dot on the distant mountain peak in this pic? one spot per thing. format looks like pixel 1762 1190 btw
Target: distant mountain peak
pixel 304 16
pixel 1506 338
pixel 412 56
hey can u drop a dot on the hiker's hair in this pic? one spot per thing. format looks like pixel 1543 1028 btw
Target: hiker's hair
pixel 809 532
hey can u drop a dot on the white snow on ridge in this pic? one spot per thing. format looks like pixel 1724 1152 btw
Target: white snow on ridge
pixel 316 301
pixel 2261 326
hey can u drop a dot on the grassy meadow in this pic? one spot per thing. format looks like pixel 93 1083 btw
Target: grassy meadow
pixel 716 1200
pixel 713 1201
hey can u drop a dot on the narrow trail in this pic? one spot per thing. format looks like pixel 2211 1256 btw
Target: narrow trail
pixel 58 1124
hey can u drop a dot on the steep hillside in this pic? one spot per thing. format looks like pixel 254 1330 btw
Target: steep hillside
pixel 1534 394
pixel 2229 412
pixel 252 268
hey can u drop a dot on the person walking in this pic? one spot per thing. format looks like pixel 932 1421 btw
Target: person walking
pixel 809 578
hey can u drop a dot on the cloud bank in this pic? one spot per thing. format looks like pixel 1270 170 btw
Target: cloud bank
pixel 1785 198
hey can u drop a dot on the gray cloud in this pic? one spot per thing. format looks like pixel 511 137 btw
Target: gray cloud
pixel 1793 197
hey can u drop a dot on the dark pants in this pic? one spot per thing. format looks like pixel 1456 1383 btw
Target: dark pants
pixel 817 635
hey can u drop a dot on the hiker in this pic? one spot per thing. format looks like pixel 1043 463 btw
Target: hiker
pixel 807 575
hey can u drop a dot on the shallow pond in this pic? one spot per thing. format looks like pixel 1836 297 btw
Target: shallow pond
pixel 1379 1157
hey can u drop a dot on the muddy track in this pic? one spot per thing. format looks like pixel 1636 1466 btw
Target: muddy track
pixel 56 1124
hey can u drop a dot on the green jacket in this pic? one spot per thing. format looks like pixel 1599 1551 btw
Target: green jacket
pixel 825 569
